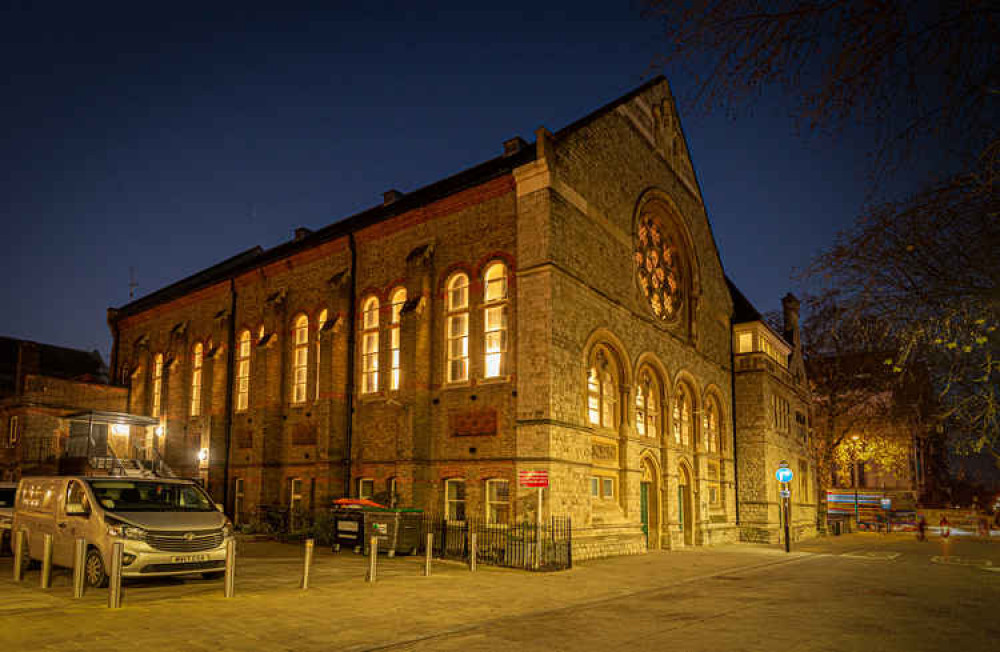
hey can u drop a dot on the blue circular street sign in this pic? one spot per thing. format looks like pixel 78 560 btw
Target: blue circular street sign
pixel 783 475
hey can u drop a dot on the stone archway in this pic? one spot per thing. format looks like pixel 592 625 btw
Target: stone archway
pixel 649 502
pixel 685 504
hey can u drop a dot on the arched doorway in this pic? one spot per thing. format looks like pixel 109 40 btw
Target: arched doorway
pixel 685 507
pixel 649 503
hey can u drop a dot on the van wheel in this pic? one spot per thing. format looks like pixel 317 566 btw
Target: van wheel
pixel 214 575
pixel 94 570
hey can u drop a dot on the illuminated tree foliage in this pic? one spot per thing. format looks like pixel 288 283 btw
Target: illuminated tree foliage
pixel 928 269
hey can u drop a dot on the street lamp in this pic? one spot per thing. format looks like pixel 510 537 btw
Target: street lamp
pixel 855 477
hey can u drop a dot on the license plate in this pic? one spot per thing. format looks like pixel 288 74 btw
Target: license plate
pixel 181 559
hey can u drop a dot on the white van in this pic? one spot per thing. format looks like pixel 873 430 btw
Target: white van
pixel 167 526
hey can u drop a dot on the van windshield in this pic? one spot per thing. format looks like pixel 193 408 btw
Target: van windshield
pixel 150 496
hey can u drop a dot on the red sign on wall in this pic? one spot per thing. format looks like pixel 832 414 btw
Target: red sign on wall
pixel 533 478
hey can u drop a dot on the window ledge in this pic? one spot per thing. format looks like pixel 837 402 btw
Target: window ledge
pixel 496 380
pixel 458 384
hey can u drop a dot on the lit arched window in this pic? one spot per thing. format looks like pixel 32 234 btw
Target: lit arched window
pixel 602 393
pixel 199 353
pixel 320 326
pixel 647 405
pixel 457 328
pixel 682 417
pixel 157 384
pixel 713 437
pixel 495 319
pixel 300 359
pixel 243 372
pixel 369 345
pixel 397 299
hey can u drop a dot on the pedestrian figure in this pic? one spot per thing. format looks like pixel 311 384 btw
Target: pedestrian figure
pixel 945 527
pixel 984 524
pixel 922 528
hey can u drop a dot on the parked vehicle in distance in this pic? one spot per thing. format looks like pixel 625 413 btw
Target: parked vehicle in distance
pixel 168 526
pixel 8 490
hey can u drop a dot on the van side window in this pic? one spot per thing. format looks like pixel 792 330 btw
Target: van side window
pixel 75 495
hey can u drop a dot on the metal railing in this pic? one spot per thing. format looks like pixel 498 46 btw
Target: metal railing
pixel 528 546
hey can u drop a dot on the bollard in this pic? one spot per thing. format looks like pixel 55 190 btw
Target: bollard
pixel 308 563
pixel 372 559
pixel 472 552
pixel 46 580
pixel 229 583
pixel 18 542
pixel 429 554
pixel 115 581
pixel 79 561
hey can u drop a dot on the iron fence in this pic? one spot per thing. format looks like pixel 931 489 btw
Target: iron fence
pixel 529 546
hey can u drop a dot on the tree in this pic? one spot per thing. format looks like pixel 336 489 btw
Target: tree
pixel 927 268
pixel 913 70
pixel 925 74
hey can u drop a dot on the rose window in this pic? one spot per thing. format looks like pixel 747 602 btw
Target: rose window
pixel 658 269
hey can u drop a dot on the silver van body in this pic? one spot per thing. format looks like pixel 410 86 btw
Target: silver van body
pixel 159 538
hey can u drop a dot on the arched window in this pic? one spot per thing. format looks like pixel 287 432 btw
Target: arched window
pixel 157 384
pixel 397 299
pixel 711 426
pixel 369 346
pixel 457 328
pixel 495 319
pixel 682 417
pixel 196 361
pixel 300 359
pixel 243 372
pixel 647 405
pixel 602 392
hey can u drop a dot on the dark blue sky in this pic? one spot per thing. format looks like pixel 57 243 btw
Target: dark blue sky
pixel 169 137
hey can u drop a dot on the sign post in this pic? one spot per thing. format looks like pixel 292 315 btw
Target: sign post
pixel 784 476
pixel 540 480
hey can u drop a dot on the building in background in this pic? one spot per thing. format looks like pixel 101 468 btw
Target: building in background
pixel 772 414
pixel 44 389
pixel 561 307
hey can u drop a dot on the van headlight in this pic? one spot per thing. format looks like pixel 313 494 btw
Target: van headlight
pixel 122 531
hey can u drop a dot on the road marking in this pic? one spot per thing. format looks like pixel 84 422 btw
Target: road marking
pixel 868 554
pixel 961 561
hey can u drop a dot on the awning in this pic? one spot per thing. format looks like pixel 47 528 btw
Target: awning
pixel 119 418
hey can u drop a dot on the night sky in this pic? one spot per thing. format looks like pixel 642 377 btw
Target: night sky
pixel 167 137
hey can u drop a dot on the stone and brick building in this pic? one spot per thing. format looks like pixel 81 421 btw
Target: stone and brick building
pixel 560 307
pixel 773 419
pixel 42 387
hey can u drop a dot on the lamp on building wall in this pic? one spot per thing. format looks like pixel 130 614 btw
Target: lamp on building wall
pixel 203 455
pixel 159 431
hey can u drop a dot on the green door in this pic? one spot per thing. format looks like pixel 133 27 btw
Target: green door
pixel 644 508
pixel 680 506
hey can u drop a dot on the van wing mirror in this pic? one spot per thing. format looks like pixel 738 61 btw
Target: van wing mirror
pixel 77 509
pixel 220 507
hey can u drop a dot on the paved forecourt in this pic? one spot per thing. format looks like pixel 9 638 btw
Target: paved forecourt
pixel 496 607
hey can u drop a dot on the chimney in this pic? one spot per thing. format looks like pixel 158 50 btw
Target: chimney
pixel 790 304
pixel 390 196
pixel 544 143
pixel 301 232
pixel 513 145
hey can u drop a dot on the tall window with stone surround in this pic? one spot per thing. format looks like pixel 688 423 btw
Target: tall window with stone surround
pixel 647 406
pixel 497 501
pixel 369 345
pixel 457 328
pixel 320 326
pixel 300 359
pixel 196 362
pixel 602 390
pixel 157 385
pixel 396 299
pixel 712 427
pixel 454 499
pixel 495 319
pixel 682 416
pixel 243 372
